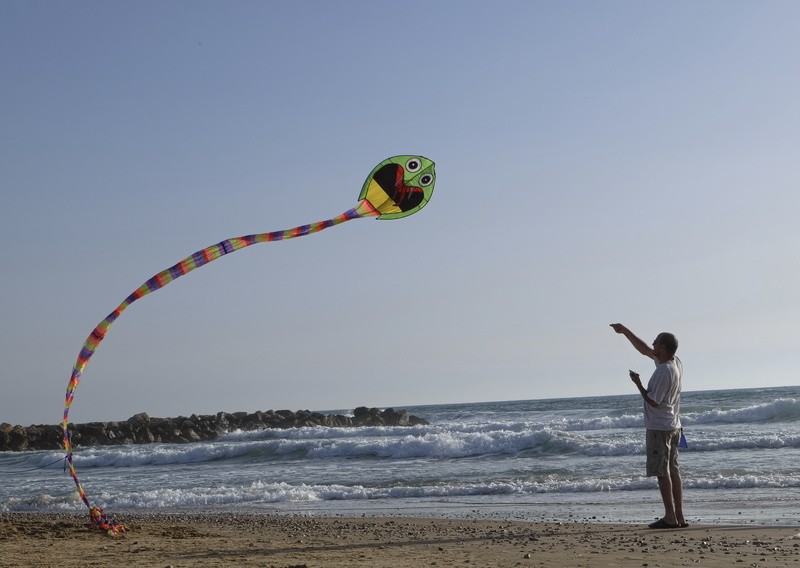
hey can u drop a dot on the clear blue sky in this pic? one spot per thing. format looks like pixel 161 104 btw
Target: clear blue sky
pixel 597 162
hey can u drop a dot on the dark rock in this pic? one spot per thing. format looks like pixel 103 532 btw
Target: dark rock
pixel 392 417
pixel 141 418
pixel 18 439
pixel 142 429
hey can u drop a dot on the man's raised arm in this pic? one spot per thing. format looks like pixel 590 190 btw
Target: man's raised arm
pixel 637 343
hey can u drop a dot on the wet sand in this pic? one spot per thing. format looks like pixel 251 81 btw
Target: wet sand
pixel 279 541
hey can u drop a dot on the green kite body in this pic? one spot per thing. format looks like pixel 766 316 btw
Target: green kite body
pixel 400 186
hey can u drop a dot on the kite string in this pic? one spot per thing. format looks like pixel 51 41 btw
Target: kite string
pixel 196 260
pixel 626 347
pixel 45 466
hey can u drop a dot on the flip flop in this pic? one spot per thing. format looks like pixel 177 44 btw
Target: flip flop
pixel 662 524
pixel 684 525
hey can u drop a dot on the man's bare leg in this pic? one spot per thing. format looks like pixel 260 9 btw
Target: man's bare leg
pixel 666 488
pixel 677 496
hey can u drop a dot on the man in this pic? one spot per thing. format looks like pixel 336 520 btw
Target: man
pixel 662 399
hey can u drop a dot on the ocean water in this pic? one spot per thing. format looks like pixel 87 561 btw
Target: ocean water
pixel 568 459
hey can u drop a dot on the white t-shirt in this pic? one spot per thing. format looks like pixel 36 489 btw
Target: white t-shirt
pixel 664 388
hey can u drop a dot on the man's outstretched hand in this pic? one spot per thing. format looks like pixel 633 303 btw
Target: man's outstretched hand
pixel 619 328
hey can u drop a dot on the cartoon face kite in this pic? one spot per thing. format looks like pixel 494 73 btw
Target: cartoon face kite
pixel 399 186
pixel 396 188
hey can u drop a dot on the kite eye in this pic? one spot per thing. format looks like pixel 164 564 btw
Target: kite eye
pixel 413 165
pixel 426 180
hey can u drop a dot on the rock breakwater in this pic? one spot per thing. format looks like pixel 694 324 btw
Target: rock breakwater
pixel 142 429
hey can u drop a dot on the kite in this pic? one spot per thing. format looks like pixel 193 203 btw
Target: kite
pixel 396 188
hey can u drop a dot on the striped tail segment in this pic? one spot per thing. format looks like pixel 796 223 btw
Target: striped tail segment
pixel 202 257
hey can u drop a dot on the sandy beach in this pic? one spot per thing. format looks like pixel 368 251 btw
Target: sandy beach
pixel 205 540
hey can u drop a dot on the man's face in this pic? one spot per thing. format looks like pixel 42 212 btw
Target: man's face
pixel 659 350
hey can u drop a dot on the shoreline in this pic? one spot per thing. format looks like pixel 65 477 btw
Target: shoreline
pixel 295 541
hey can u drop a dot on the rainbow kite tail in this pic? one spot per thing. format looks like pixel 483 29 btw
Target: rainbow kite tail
pixel 198 259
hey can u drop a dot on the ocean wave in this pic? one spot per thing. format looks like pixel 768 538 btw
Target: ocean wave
pixel 560 434
pixel 709 442
pixel 742 444
pixel 434 443
pixel 775 411
pixel 589 436
pixel 778 410
pixel 258 493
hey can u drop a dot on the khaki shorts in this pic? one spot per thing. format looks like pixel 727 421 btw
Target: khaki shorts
pixel 662 452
